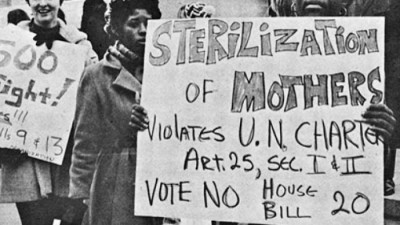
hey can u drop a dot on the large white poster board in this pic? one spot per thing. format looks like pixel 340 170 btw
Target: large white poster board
pixel 37 94
pixel 259 120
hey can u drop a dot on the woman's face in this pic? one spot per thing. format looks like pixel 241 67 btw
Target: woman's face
pixel 45 12
pixel 320 7
pixel 133 31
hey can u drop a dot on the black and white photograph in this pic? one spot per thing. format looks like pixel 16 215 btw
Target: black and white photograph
pixel 209 112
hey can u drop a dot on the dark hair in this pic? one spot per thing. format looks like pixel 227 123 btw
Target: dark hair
pixel 281 8
pixel 61 15
pixel 17 15
pixel 61 2
pixel 121 9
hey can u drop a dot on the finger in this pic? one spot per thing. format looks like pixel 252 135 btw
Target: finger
pixel 379 135
pixel 381 132
pixel 136 107
pixel 137 126
pixel 380 107
pixel 139 109
pixel 381 124
pixel 140 116
pixel 379 115
pixel 139 122
pixel 140 112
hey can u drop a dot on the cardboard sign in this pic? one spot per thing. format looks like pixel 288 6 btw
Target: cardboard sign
pixel 259 121
pixel 37 94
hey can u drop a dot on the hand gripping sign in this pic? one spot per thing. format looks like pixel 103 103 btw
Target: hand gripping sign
pixel 37 94
pixel 259 121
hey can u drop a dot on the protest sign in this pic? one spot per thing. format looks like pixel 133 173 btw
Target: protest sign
pixel 258 120
pixel 37 94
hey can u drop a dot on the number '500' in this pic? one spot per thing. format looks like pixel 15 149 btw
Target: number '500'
pixel 5 58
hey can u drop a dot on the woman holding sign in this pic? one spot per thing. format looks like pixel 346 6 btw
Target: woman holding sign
pixel 40 188
pixel 104 153
pixel 382 118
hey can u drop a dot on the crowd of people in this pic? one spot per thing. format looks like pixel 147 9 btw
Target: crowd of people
pixel 95 183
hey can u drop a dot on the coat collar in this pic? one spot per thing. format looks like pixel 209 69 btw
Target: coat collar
pixel 124 78
pixel 70 33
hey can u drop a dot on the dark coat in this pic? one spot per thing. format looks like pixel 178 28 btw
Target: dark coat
pixel 104 154
pixel 392 66
pixel 93 25
pixel 32 179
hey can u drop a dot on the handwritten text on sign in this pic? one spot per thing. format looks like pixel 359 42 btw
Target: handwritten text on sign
pixel 37 94
pixel 259 120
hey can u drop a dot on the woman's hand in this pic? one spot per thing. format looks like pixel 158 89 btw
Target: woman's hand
pixel 382 120
pixel 139 119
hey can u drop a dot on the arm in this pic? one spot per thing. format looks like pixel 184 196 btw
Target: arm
pixel 87 137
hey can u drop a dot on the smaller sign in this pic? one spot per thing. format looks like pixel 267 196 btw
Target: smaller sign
pixel 37 94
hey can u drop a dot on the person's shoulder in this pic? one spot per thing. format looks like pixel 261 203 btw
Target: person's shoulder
pixel 90 75
pixel 94 68
pixel 24 24
pixel 71 33
pixel 369 7
pixel 100 69
pixel 98 76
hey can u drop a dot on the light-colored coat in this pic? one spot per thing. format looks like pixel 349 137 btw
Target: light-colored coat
pixel 104 154
pixel 31 179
